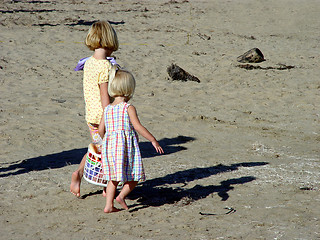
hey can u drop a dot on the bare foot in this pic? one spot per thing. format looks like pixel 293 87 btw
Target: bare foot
pixel 104 193
pixel 75 183
pixel 122 203
pixel 111 210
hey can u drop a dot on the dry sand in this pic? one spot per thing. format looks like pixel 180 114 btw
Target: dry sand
pixel 241 139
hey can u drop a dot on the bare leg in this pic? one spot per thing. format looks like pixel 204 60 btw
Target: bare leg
pixel 104 192
pixel 76 178
pixel 111 192
pixel 127 188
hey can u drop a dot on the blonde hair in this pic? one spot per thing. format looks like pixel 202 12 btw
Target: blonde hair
pixel 121 83
pixel 102 35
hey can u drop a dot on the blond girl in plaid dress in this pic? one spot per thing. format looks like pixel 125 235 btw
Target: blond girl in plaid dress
pixel 121 158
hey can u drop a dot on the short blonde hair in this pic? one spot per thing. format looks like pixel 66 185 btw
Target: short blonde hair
pixel 121 83
pixel 102 35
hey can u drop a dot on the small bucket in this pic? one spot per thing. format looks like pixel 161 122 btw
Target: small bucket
pixel 93 172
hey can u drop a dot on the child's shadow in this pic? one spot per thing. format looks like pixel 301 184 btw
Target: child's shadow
pixel 62 159
pixel 169 145
pixel 157 192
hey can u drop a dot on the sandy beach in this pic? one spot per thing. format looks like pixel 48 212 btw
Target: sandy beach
pixel 242 146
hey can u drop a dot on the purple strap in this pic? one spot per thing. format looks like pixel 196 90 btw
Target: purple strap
pixel 82 61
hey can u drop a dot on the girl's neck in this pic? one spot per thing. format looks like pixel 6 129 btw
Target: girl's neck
pixel 118 100
pixel 102 53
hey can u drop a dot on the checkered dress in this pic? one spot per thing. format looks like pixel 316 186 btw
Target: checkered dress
pixel 121 158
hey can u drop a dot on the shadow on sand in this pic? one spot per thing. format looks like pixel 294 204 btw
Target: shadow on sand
pixel 157 192
pixel 62 159
pixel 78 23
pixel 89 23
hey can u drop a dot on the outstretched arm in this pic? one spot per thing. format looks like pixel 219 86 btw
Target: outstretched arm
pixel 142 130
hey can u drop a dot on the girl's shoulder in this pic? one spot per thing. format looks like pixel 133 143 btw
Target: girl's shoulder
pixel 127 105
pixel 119 105
pixel 99 63
pixel 130 108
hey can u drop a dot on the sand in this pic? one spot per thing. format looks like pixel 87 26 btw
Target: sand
pixel 242 146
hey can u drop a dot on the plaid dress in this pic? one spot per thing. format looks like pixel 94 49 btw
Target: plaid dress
pixel 121 157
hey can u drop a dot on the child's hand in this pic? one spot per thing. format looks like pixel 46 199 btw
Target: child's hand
pixel 157 147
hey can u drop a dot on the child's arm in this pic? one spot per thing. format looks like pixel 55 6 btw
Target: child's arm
pixel 104 96
pixel 105 100
pixel 141 129
pixel 101 128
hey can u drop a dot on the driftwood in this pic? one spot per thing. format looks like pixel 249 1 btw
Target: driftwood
pixel 177 73
pixel 251 67
pixel 252 56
